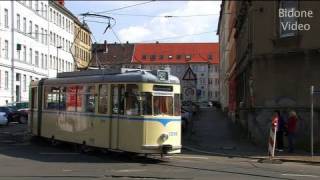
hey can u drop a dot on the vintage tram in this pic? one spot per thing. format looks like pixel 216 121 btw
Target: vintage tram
pixel 130 110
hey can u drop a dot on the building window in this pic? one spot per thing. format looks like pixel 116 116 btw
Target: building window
pixel 45 11
pixel 42 36
pixel 24 53
pixel 18 54
pixel 170 57
pixel 18 22
pixel 30 28
pixel 37 6
pixel 17 77
pixel 153 57
pixel 30 56
pixel 216 94
pixel 50 15
pixel 284 22
pixel 6 79
pixel 36 59
pixel 42 11
pixel 178 56
pixel 24 83
pixel 188 57
pixel 36 31
pixel 216 81
pixel 210 81
pixel 6 49
pixel 50 61
pixel 45 37
pixel 45 62
pixel 24 25
pixel 42 61
pixel 6 18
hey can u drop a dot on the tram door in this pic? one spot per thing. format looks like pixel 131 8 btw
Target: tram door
pixel 33 123
pixel 117 104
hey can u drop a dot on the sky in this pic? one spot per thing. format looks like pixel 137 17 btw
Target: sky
pixel 146 21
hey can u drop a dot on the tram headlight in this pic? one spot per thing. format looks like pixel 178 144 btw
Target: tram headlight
pixel 164 137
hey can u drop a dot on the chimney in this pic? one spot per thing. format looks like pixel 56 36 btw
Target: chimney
pixel 157 42
pixel 61 2
pixel 105 47
pixel 127 42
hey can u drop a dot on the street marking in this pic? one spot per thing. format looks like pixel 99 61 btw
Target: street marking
pixel 131 170
pixel 66 170
pixel 57 153
pixel 301 175
pixel 189 157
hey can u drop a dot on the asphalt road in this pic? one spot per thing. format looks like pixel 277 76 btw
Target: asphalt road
pixel 21 158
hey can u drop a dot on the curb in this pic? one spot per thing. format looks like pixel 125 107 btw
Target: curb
pixel 260 159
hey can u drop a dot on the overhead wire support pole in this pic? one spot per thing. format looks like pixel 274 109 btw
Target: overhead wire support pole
pixel 311 122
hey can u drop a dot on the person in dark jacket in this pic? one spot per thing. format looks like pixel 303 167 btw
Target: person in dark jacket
pixel 280 131
pixel 292 127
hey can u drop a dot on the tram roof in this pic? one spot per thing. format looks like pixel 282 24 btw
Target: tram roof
pixel 111 75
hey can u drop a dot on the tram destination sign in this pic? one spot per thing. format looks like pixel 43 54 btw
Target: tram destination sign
pixel 163 88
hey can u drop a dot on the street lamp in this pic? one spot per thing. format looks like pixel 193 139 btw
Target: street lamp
pixel 58 47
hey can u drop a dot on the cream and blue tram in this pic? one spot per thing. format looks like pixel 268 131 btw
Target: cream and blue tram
pixel 127 110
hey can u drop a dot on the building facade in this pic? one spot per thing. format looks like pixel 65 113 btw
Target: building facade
pixel 226 31
pixel 275 66
pixel 35 42
pixel 82 45
pixel 201 58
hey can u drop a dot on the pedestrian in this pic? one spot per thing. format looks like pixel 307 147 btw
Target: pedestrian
pixel 291 128
pixel 280 131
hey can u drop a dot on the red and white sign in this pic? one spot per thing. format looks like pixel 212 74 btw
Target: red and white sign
pixel 272 137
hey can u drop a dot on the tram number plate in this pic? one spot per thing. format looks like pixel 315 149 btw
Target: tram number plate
pixel 173 133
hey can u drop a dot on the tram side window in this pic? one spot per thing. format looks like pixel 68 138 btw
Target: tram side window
pixel 103 99
pixel 34 95
pixel 89 98
pixel 51 98
pixel 132 103
pixel 162 105
pixel 177 105
pixel 62 99
pixel 147 103
pixel 71 98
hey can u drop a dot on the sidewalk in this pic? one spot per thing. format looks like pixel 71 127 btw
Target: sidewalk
pixel 212 133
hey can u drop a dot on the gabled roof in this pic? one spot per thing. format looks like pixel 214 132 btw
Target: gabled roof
pixel 189 75
pixel 158 53
pixel 116 54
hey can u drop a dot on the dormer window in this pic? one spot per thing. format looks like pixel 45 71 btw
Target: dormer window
pixel 188 57
pixel 153 57
pixel 161 57
pixel 144 57
pixel 170 57
pixel 210 56
pixel 178 56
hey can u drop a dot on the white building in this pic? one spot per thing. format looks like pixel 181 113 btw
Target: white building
pixel 33 34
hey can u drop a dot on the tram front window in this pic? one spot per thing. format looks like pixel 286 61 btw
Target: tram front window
pixel 162 105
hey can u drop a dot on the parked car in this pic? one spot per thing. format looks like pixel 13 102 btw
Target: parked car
pixel 3 118
pixel 12 114
pixel 22 108
pixel 216 104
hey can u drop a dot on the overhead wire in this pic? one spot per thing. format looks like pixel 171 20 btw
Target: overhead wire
pixel 175 37
pixel 164 16
pixel 116 9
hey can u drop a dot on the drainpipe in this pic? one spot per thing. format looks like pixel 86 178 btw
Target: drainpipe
pixel 12 51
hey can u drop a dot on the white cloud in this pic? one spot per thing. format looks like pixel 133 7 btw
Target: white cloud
pixel 158 28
